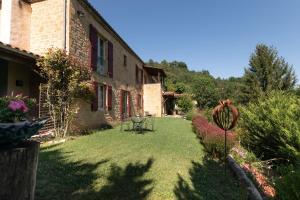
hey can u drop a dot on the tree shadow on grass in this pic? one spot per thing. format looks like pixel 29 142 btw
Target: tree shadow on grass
pixel 127 183
pixel 208 182
pixel 60 178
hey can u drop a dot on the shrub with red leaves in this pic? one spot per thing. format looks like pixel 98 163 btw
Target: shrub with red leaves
pixel 212 137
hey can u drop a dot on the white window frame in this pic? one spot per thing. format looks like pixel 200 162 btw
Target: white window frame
pixel 101 69
pixel 102 97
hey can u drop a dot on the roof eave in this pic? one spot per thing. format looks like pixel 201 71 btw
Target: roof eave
pixel 18 52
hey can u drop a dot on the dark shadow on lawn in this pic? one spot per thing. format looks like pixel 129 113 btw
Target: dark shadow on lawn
pixel 208 182
pixel 143 132
pixel 59 178
pixel 127 183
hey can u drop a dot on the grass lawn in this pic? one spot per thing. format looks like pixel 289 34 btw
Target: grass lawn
pixel 169 163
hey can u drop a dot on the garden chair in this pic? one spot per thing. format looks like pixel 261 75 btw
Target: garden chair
pixel 126 123
pixel 138 123
pixel 149 123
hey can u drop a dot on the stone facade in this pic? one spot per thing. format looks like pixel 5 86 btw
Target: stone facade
pixel 123 77
pixel 15 23
pixel 66 24
pixel 47 25
pixel 153 99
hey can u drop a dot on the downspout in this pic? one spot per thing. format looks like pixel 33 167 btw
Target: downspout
pixel 65 26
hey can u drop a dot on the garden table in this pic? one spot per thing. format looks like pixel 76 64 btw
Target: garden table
pixel 137 123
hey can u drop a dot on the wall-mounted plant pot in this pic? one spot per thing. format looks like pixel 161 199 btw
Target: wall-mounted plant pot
pixel 11 134
pixel 18 167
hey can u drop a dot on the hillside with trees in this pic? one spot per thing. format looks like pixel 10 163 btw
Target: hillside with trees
pixel 205 89
pixel 267 71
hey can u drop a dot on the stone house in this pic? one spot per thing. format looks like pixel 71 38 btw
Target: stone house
pixel 123 84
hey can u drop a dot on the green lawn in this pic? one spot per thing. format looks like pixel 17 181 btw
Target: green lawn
pixel 166 164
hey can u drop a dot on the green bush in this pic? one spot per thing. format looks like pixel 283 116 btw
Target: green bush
pixel 190 115
pixel 185 103
pixel 288 187
pixel 271 127
pixel 207 113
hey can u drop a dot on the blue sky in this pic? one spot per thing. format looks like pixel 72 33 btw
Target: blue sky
pixel 217 35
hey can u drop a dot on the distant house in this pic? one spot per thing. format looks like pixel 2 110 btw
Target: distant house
pixel 123 84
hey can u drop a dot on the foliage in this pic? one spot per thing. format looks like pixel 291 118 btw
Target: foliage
pixel 212 137
pixel 180 88
pixel 182 80
pixel 179 77
pixel 67 79
pixel 230 89
pixel 267 71
pixel 191 114
pixel 271 127
pixel 296 91
pixel 207 113
pixel 205 92
pixel 288 186
pixel 185 103
pixel 15 108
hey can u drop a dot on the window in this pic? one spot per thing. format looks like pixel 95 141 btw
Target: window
pixel 109 98
pixel 101 56
pixel 125 61
pixel 138 75
pixel 101 97
pixel 139 101
pixel 125 104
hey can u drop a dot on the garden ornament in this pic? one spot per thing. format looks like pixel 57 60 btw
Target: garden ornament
pixel 225 115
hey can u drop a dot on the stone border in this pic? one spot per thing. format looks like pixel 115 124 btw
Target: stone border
pixel 239 172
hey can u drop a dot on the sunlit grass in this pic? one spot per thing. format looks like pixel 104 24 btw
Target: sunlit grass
pixel 168 163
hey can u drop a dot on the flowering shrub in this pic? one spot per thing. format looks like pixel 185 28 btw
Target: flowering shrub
pixel 212 137
pixel 67 81
pixel 14 108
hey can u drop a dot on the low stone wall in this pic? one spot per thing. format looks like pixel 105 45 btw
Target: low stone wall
pixel 239 172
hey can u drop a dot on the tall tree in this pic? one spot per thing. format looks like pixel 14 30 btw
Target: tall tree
pixel 205 92
pixel 267 71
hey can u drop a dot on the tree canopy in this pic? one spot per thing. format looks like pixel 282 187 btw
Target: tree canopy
pixel 267 71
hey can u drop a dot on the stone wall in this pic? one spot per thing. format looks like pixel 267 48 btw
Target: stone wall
pixel 40 26
pixel 15 23
pixel 20 24
pixel 47 25
pixel 123 77
pixel 153 99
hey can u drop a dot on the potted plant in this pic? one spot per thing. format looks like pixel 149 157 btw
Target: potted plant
pixel 18 154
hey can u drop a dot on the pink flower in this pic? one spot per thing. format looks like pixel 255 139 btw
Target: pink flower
pixel 18 105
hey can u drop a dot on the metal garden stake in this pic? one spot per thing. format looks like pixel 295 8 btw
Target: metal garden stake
pixel 225 116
